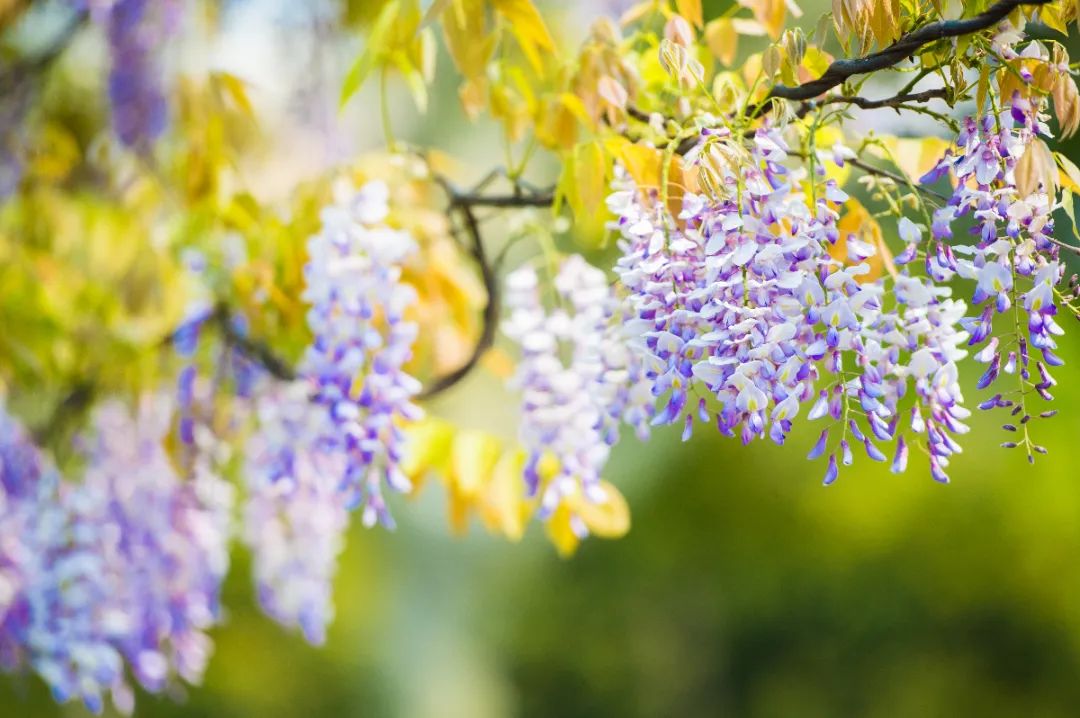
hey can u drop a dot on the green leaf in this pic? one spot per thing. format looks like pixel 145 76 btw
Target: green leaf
pixel 380 33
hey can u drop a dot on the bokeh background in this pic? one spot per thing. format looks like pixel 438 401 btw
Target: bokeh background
pixel 745 588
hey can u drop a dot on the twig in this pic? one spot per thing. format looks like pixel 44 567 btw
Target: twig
pixel 1063 245
pixel 254 350
pixel 896 102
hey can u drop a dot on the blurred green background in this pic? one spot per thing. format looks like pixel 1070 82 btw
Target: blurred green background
pixel 745 588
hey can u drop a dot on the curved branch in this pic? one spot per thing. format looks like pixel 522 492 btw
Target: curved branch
pixel 909 44
pixel 465 203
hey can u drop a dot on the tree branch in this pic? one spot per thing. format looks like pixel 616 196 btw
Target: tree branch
pixel 896 102
pixel 909 44
pixel 512 201
pixel 254 350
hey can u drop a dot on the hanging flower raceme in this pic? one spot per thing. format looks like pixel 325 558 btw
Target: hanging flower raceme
pixel 55 587
pixel 739 300
pixel 1014 263
pixel 161 540
pixel 28 498
pixel 135 30
pixel 362 342
pixel 725 298
pixel 125 566
pixel 579 382
pixel 296 514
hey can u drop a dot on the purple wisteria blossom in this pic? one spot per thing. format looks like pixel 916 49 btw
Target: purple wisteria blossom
pixel 1014 262
pixel 296 514
pixel 361 342
pixel 739 304
pixel 329 442
pixel 135 30
pixel 579 380
pixel 120 572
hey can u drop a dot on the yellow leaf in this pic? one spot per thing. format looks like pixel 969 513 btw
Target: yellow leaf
pixel 1051 16
pixel 770 14
pixel 915 157
pixel 1036 169
pixel 504 508
pixel 644 165
pixel 427 447
pixel 414 80
pixel 236 89
pixel 472 458
pixel 473 95
pixel 377 41
pixel 815 62
pixel 885 20
pixel 560 532
pixel 468 39
pixel 610 519
pixel 528 27
pixel 824 139
pixel 723 40
pixel 592 178
pixel 691 10
pixel 1070 173
pixel 1066 104
pixel 857 221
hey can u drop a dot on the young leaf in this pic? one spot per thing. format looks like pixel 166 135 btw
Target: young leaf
pixel 375 46
pixel 468 38
pixel 236 89
pixel 1036 169
pixel 472 458
pixel 723 40
pixel 1070 173
pixel 528 27
pixel 858 223
pixel 691 10
pixel 504 507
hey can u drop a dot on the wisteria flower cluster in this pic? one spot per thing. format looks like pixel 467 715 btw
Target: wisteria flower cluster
pixel 578 380
pixel 296 514
pixel 1014 252
pixel 135 30
pixel 740 303
pixel 333 439
pixel 119 572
